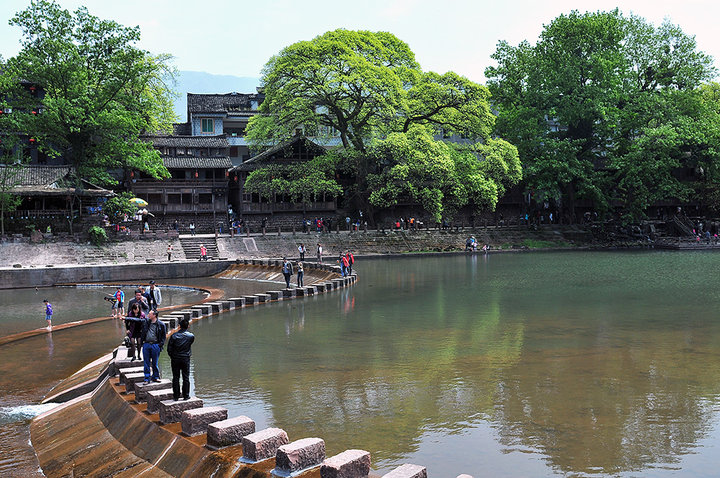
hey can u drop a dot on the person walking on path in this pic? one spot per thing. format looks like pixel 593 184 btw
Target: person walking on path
pixel 287 271
pixel 319 252
pixel 154 296
pixel 351 261
pixel 301 274
pixel 48 314
pixel 179 351
pixel 152 334
pixel 192 228
pixel 203 252
pixel 344 265
pixel 169 252
pixel 301 250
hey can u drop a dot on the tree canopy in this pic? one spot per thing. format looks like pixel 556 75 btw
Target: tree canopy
pixel 367 89
pixel 601 108
pixel 100 91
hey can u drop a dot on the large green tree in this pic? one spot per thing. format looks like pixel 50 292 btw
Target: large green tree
pixel 599 108
pixel 367 89
pixel 101 92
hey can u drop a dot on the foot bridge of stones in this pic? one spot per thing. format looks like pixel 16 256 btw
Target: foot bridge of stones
pixel 111 423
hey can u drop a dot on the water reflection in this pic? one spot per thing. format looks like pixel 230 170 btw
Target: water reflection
pixel 556 364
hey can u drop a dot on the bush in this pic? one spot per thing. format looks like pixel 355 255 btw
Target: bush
pixel 98 236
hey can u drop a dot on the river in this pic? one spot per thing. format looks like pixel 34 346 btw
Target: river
pixel 547 364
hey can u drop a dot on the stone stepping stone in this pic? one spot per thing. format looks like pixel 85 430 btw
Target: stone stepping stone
pixel 407 471
pixel 129 370
pixel 229 432
pixel 300 455
pixel 171 411
pixel 196 421
pixel 154 397
pixel 348 464
pixel 142 388
pixel 264 444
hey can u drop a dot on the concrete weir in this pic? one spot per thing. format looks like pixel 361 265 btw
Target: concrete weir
pixel 114 425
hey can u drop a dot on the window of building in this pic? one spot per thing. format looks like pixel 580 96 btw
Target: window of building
pixel 207 125
pixel 173 198
pixel 204 198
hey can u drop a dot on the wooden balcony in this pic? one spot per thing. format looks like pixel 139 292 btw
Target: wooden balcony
pixel 254 207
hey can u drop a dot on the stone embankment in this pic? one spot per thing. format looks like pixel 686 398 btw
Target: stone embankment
pixel 23 254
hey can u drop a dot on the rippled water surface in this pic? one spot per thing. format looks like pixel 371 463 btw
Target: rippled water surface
pixel 504 365
pixel 602 364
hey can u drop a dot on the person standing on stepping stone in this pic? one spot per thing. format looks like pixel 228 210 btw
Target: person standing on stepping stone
pixel 179 351
pixel 153 333
pixel 287 270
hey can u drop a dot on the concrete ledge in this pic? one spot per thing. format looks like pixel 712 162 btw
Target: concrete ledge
pixel 154 397
pixel 407 471
pixel 264 444
pixel 229 432
pixel 300 455
pixel 129 370
pixel 171 411
pixel 142 388
pixel 348 464
pixel 196 421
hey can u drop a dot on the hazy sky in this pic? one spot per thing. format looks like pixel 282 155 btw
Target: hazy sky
pixel 238 37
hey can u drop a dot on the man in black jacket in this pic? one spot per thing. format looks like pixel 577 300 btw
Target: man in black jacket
pixel 179 352
pixel 140 299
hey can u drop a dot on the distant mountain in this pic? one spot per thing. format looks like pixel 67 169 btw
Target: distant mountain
pixel 201 82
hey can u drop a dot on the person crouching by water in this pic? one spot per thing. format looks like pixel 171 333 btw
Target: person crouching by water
pixel 133 329
pixel 179 351
pixel 152 334
pixel 287 270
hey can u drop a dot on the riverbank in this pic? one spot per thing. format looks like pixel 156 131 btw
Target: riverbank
pixel 21 254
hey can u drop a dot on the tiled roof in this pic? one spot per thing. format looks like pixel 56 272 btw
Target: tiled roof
pixel 189 141
pixel 181 129
pixel 49 180
pixel 47 176
pixel 197 163
pixel 216 103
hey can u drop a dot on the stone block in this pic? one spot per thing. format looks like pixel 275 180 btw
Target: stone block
pixel 229 432
pixel 275 294
pixel 130 380
pixel 348 464
pixel 263 297
pixel 170 323
pixel 142 388
pixel 330 285
pixel 238 301
pixel 250 299
pixel 186 314
pixel 288 293
pixel 129 370
pixel 407 471
pixel 194 313
pixel 203 308
pixel 309 290
pixel 320 287
pixel 171 411
pixel 227 305
pixel 196 421
pixel 214 306
pixel 300 292
pixel 154 397
pixel 300 455
pixel 262 445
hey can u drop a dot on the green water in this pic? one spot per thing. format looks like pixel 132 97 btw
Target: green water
pixel 547 364
pixel 502 365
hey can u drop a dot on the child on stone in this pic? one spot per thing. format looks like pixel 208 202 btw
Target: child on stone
pixel 48 313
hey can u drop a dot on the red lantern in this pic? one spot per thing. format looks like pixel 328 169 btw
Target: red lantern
pixel 32 140
pixel 34 112
pixel 32 88
pixel 132 174
pixel 236 178
pixel 227 173
pixel 196 174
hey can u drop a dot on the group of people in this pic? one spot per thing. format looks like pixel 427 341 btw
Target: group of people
pixel 471 245
pixel 287 270
pixel 346 261
pixel 145 336
pixel 409 223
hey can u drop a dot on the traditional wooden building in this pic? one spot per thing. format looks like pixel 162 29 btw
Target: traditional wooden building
pixel 197 189
pixel 50 196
